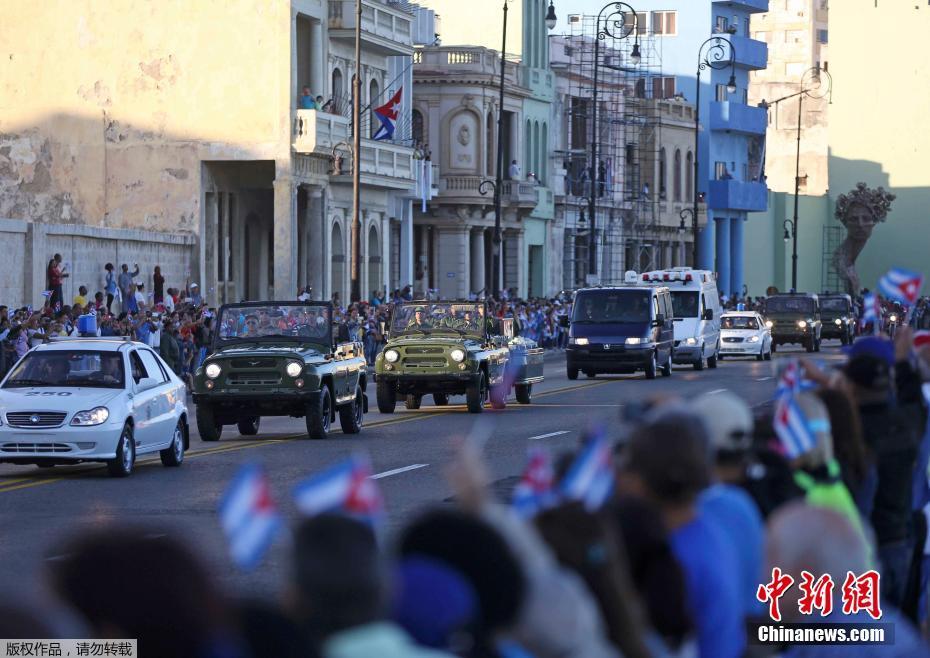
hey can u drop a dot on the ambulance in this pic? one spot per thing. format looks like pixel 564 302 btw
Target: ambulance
pixel 697 310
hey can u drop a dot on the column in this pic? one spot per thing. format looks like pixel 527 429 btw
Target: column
pixel 318 81
pixel 452 262
pixel 386 253
pixel 406 247
pixel 284 233
pixel 316 246
pixel 477 260
pixel 706 246
pixel 211 225
pixel 723 254
pixel 514 262
pixel 736 255
pixel 363 255
pixel 568 259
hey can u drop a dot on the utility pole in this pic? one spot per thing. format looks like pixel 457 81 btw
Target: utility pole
pixel 499 178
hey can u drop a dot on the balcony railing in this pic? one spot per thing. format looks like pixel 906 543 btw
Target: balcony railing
pixel 738 118
pixel 387 160
pixel 468 59
pixel 317 132
pixel 513 192
pixel 750 53
pixel 737 195
pixel 385 27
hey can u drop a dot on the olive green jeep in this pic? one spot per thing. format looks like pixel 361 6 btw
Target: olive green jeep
pixel 279 359
pixel 453 348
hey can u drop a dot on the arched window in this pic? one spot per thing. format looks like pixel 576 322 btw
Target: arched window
pixel 544 165
pixel 374 261
pixel 491 152
pixel 416 127
pixel 527 148
pixel 662 172
pixel 339 91
pixel 337 270
pixel 537 154
pixel 373 97
pixel 676 177
pixel 689 175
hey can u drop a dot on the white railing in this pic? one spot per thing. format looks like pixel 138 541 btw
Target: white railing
pixel 318 131
pixel 386 159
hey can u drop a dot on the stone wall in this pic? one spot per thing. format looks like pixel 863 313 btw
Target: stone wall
pixel 28 246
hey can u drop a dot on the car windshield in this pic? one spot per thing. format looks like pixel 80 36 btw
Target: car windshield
pixel 738 322
pixel 790 305
pixel 68 368
pixel 685 304
pixel 834 304
pixel 438 317
pixel 611 306
pixel 303 322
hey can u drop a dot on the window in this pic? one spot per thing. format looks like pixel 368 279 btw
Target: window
pixel 720 171
pixel 665 23
pixel 642 22
pixel 723 95
pixel 721 25
pixel 676 177
pixel 138 370
pixel 689 180
pixel 662 174
pixel 663 87
pixel 416 126
pixel 822 36
pixel 152 367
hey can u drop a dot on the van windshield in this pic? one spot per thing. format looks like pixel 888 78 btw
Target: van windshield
pixel 611 306
pixel 685 304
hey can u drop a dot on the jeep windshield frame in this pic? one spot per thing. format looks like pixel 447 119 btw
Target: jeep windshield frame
pixel 442 318
pixel 309 323
pixel 791 305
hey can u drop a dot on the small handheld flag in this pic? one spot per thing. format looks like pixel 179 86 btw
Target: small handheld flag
pixel 387 115
pixel 790 381
pixel 47 293
pixel 248 516
pixel 590 479
pixel 871 311
pixel 344 487
pixel 792 428
pixel 535 491
pixel 901 285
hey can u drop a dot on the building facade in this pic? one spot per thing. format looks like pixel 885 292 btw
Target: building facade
pixel 797 35
pixel 731 140
pixel 135 121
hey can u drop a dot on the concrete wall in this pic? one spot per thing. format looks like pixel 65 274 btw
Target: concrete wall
pixel 879 125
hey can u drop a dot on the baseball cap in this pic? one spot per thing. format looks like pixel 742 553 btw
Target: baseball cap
pixel 877 347
pixel 727 419
pixel 194 285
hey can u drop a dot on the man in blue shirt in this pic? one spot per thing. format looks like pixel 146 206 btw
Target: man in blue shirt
pixel 668 462
pixel 306 101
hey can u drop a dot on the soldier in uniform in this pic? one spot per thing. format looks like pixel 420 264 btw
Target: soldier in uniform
pixel 419 319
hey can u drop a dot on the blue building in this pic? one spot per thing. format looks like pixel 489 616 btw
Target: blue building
pixel 731 142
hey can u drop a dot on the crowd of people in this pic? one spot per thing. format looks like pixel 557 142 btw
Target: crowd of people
pixel 707 500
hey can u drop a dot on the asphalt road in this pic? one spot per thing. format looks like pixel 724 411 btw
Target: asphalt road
pixel 408 450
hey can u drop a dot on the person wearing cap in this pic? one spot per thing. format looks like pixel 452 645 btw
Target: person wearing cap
pixel 419 319
pixel 195 297
pixel 140 295
pixel 729 424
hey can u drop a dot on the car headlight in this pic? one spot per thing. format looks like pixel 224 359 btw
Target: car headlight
pixel 391 356
pixel 95 416
pixel 754 339
pixel 837 322
pixel 802 323
pixel 633 340
pixel 579 341
pixel 294 368
pixel 691 341
pixel 212 370
pixel 457 355
pixel 769 324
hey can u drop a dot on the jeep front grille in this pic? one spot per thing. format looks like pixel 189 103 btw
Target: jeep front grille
pixel 254 378
pixel 245 364
pixel 423 350
pixel 426 362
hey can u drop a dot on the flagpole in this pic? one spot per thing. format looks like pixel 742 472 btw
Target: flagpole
pixel 356 288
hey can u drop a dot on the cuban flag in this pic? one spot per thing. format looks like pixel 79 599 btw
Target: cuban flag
pixel 901 285
pixel 590 479
pixel 387 115
pixel 791 428
pixel 871 310
pixel 790 381
pixel 344 487
pixel 249 516
pixel 47 294
pixel 536 489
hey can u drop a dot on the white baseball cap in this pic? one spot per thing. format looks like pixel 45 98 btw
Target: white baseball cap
pixel 727 419
pixel 194 285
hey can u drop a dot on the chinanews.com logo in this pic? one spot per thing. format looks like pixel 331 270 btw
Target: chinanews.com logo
pixel 852 617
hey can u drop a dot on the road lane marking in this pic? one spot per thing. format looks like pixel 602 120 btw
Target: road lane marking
pixel 717 390
pixel 258 443
pixel 397 471
pixel 764 379
pixel 546 436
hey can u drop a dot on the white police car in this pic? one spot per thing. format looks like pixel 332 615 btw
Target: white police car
pixel 744 333
pixel 87 399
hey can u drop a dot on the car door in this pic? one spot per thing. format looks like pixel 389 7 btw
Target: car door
pixel 161 399
pixel 341 362
pixel 668 329
pixel 142 403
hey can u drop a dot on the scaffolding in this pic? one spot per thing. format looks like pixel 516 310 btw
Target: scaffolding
pixel 627 135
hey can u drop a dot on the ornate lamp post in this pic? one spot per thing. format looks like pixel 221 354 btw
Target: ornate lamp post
pixel 716 53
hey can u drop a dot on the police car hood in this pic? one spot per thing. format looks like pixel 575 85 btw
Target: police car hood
pixel 53 398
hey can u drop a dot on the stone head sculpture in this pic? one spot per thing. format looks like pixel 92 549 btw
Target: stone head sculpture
pixel 859 211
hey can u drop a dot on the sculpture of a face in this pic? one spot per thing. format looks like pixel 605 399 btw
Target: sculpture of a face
pixel 859 222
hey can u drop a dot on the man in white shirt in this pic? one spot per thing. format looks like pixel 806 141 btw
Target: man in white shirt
pixel 514 173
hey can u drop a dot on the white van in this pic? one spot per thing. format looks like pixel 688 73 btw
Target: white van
pixel 696 304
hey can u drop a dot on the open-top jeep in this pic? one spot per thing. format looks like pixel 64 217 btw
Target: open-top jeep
pixel 452 348
pixel 279 359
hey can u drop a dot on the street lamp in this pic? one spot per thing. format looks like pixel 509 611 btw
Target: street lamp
pixel 716 53
pixel 498 183
pixel 815 83
pixel 356 241
pixel 616 26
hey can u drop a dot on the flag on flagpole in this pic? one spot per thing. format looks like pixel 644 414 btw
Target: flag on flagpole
pixel 387 115
pixel 248 516
pixel 590 479
pixel 792 428
pixel 535 491
pixel 901 285
pixel 344 487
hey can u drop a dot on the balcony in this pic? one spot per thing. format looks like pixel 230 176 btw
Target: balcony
pixel 387 165
pixel 385 30
pixel 752 6
pixel 738 118
pixel 750 54
pixel 464 189
pixel 426 180
pixel 472 60
pixel 317 132
pixel 737 195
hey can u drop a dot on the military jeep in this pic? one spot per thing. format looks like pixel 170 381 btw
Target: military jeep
pixel 279 359
pixel 452 348
pixel 794 318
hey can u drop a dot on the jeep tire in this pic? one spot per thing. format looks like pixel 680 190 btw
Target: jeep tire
pixel 524 393
pixel 352 415
pixel 387 396
pixel 474 395
pixel 413 401
pixel 320 415
pixel 440 399
pixel 207 426
pixel 249 426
